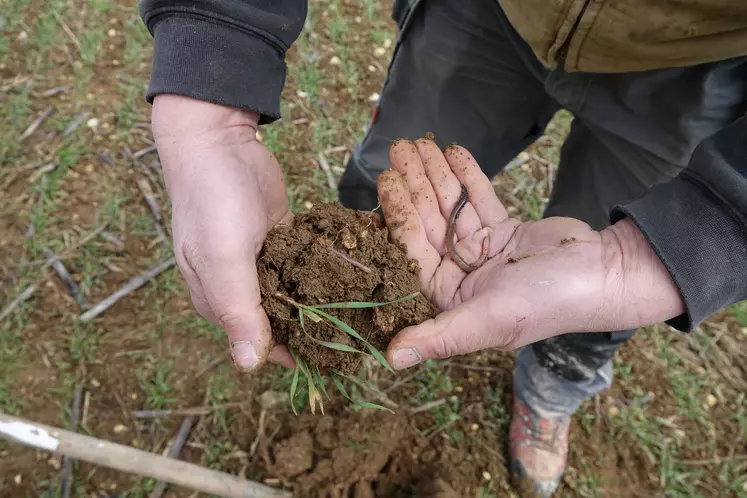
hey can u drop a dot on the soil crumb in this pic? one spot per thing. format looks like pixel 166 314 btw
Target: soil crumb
pixel 333 254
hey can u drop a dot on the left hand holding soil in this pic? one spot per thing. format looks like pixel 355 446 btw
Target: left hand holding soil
pixel 541 278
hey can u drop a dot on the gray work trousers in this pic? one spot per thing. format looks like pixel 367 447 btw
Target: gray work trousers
pixel 461 71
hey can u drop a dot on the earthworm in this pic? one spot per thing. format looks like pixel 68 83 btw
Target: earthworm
pixel 450 244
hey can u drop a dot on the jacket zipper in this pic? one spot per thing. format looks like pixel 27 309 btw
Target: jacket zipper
pixel 564 48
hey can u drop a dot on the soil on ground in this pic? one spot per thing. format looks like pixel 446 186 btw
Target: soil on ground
pixel 333 255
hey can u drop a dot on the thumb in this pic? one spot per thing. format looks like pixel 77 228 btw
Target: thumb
pixel 469 327
pixel 231 289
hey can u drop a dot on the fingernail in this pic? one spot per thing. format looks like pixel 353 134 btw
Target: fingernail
pixel 405 357
pixel 244 355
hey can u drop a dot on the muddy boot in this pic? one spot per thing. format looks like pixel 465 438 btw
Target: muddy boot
pixel 538 449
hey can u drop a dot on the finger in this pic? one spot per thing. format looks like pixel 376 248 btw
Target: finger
pixel 405 159
pixel 481 192
pixel 231 289
pixel 447 187
pixel 405 225
pixel 473 325
pixel 281 355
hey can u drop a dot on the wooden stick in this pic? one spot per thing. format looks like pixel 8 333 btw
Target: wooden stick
pixel 55 91
pixel 72 286
pixel 195 411
pixel 147 192
pixel 75 123
pixel 324 164
pixel 174 450
pixel 14 304
pixel 142 152
pixel 36 124
pixel 67 462
pixel 67 30
pixel 129 287
pixel 127 459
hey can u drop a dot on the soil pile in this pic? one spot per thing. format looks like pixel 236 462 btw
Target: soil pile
pixel 333 254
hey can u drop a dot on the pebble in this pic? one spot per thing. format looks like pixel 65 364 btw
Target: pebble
pixel 679 434
pixel 308 205
pixel 459 389
pixel 335 61
pixel 23 36
pixel 374 97
pixel 486 475
pixel 358 19
pixel 379 51
pixel 711 400
pixel 474 427
pixel 613 411
pixel 387 43
pixel 301 94
pixel 17 479
pixel 120 428
pixel 112 32
pixel 92 123
pixel 54 463
pixel 371 69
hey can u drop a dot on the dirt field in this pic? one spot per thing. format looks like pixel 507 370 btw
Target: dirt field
pixel 77 167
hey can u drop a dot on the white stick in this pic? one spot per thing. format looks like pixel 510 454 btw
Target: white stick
pixel 24 295
pixel 324 164
pixel 133 461
pixel 130 286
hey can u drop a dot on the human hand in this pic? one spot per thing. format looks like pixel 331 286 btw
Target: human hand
pixel 541 278
pixel 226 191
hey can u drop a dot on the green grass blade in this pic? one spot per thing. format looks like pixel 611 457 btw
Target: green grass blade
pixel 294 384
pixel 312 316
pixel 337 346
pixel 366 404
pixel 364 304
pixel 340 387
pixel 342 326
pixel 320 382
pixel 379 357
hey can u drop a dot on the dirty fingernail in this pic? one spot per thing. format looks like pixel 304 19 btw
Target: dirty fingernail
pixel 405 357
pixel 244 355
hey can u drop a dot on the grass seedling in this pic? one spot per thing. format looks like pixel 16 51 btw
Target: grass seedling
pixel 314 379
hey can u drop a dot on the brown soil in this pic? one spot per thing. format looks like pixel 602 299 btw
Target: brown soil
pixel 300 263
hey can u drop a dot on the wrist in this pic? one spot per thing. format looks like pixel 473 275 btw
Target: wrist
pixel 180 117
pixel 639 290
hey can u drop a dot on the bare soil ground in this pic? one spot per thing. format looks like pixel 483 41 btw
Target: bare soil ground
pixel 77 167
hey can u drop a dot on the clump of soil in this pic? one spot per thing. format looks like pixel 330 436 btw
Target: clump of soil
pixel 306 263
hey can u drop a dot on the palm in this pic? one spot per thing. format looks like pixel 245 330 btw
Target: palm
pixel 528 263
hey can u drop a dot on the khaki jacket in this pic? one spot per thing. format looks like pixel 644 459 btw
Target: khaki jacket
pixel 609 36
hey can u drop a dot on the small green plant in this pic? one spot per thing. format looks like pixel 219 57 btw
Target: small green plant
pixel 311 376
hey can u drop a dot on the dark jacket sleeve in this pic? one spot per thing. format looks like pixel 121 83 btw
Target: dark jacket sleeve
pixel 697 224
pixel 229 52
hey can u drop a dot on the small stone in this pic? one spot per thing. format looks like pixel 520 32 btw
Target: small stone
pixel 459 389
pixel 133 395
pixel 744 486
pixel 744 331
pixel 89 168
pixel 335 61
pixel 120 428
pixel 387 43
pixel 371 69
pixel 613 411
pixel 301 94
pixel 711 400
pixel 92 123
pixel 348 239
pixel 23 36
pixel 54 463
pixel 112 32
pixel 679 434
pixel 17 479
pixel 115 62
pixel 374 97
pixel 379 51
pixel 308 205
pixel 358 19
pixel 95 383
pixel 486 475
pixel 474 427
